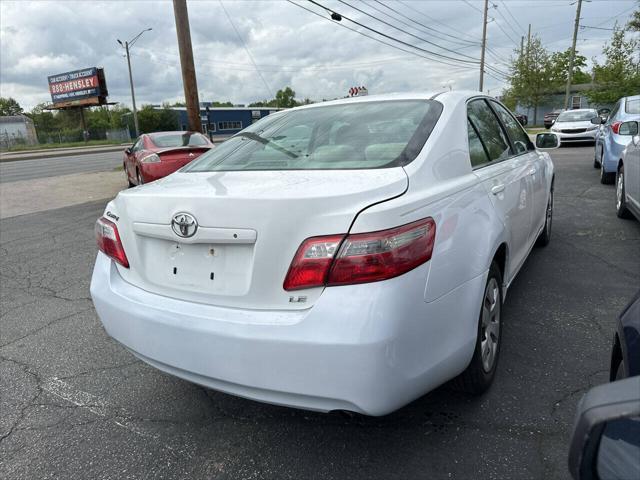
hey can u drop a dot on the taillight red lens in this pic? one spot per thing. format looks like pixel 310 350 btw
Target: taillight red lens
pixel 109 243
pixel 615 127
pixel 362 257
pixel 311 262
pixel 371 257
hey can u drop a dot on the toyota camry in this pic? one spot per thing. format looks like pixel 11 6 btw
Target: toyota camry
pixel 349 255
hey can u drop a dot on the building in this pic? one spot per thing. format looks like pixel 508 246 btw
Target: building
pixel 221 122
pixel 17 130
pixel 555 101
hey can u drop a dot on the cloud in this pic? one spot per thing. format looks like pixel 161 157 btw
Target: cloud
pixel 290 45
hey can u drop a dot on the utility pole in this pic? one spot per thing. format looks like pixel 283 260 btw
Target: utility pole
pixel 127 46
pixel 186 62
pixel 572 56
pixel 133 95
pixel 484 43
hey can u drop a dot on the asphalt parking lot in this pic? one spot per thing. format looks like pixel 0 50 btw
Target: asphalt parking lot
pixel 74 404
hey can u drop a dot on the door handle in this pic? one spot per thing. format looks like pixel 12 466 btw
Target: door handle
pixel 496 189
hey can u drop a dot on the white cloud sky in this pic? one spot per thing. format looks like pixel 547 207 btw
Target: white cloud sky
pixel 291 46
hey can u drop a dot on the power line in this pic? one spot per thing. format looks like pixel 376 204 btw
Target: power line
pixel 507 22
pixel 522 29
pixel 269 91
pixel 422 14
pixel 473 6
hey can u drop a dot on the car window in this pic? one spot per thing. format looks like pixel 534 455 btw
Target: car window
pixel 577 116
pixel 518 136
pixel 491 134
pixel 477 153
pixel 354 135
pixel 187 139
pixel 613 113
pixel 139 145
pixel 633 106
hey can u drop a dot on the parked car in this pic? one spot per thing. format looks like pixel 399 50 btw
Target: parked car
pixel 356 271
pixel 156 155
pixel 611 142
pixel 550 118
pixel 522 118
pixel 628 173
pixel 606 437
pixel 575 126
pixel 625 355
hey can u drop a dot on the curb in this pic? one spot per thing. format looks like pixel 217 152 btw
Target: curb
pixel 38 154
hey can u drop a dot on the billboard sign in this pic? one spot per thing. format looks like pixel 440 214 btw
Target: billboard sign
pixel 78 85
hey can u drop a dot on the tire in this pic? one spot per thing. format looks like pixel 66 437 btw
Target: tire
pixel 620 373
pixel 479 374
pixel 606 178
pixel 139 177
pixel 126 174
pixel 545 236
pixel 596 163
pixel 621 205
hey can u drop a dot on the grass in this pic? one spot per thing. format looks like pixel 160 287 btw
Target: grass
pixel 535 130
pixel 48 146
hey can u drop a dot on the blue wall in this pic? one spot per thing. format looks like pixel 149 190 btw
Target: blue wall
pixel 218 115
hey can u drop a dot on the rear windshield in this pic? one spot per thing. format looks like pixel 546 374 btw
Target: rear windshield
pixel 178 140
pixel 573 116
pixel 633 106
pixel 348 136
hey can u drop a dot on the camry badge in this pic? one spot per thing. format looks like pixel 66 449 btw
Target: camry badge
pixel 184 225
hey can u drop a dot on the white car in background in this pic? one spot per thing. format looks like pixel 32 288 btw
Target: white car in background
pixel 356 267
pixel 576 125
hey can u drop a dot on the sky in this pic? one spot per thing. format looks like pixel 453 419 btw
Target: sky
pixel 262 46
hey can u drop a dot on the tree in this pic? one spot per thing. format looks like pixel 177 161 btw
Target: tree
pixel 153 119
pixel 285 98
pixel 634 23
pixel 559 67
pixel 619 75
pixel 8 107
pixel 531 78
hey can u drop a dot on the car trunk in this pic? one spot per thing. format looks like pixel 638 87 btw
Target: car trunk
pixel 250 224
pixel 180 156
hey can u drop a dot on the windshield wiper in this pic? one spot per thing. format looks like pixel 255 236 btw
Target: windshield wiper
pixel 264 141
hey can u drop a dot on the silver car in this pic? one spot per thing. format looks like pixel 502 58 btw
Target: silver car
pixel 576 126
pixel 611 142
pixel 628 174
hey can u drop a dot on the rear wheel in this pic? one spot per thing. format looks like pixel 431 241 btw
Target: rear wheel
pixel 478 376
pixel 126 174
pixel 545 235
pixel 606 178
pixel 621 205
pixel 596 163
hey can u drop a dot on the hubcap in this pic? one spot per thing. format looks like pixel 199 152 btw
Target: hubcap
pixel 490 331
pixel 619 189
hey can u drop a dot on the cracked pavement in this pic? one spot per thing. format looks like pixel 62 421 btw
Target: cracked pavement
pixel 75 404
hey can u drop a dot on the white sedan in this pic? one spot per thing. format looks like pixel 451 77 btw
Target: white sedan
pixel 349 255
pixel 576 125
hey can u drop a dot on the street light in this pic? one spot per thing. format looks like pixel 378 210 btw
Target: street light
pixel 126 46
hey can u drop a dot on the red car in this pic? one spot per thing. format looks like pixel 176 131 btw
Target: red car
pixel 156 155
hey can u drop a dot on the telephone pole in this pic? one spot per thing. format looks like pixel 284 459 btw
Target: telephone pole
pixel 484 43
pixel 572 56
pixel 186 62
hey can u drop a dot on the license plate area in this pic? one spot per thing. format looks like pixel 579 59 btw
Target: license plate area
pixel 209 268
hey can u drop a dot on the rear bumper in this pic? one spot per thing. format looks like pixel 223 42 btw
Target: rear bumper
pixel 360 348
pixel 155 171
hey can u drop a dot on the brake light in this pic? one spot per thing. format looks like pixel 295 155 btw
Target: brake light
pixel 615 127
pixel 362 257
pixel 151 158
pixel 109 243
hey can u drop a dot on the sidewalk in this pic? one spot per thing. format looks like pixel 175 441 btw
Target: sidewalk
pixel 59 152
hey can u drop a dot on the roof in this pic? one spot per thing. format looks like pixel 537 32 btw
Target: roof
pixel 15 119
pixel 213 109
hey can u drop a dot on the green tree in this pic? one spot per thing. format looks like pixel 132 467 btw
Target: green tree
pixel 285 98
pixel 619 75
pixel 530 79
pixel 559 67
pixel 153 119
pixel 634 23
pixel 8 107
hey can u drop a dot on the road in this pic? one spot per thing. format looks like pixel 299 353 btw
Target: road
pixel 75 404
pixel 51 167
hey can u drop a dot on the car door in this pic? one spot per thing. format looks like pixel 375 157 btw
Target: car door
pixel 505 176
pixel 607 133
pixel 632 173
pixel 522 145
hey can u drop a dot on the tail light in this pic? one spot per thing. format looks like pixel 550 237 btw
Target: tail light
pixel 151 158
pixel 615 127
pixel 362 257
pixel 109 243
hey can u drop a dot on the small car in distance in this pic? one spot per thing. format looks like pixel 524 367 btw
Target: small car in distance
pixel 575 126
pixel 611 141
pixel 550 118
pixel 628 173
pixel 156 155
pixel 324 258
pixel 522 118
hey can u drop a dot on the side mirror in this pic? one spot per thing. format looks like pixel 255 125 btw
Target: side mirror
pixel 606 436
pixel 127 150
pixel 547 141
pixel 629 128
pixel 596 120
